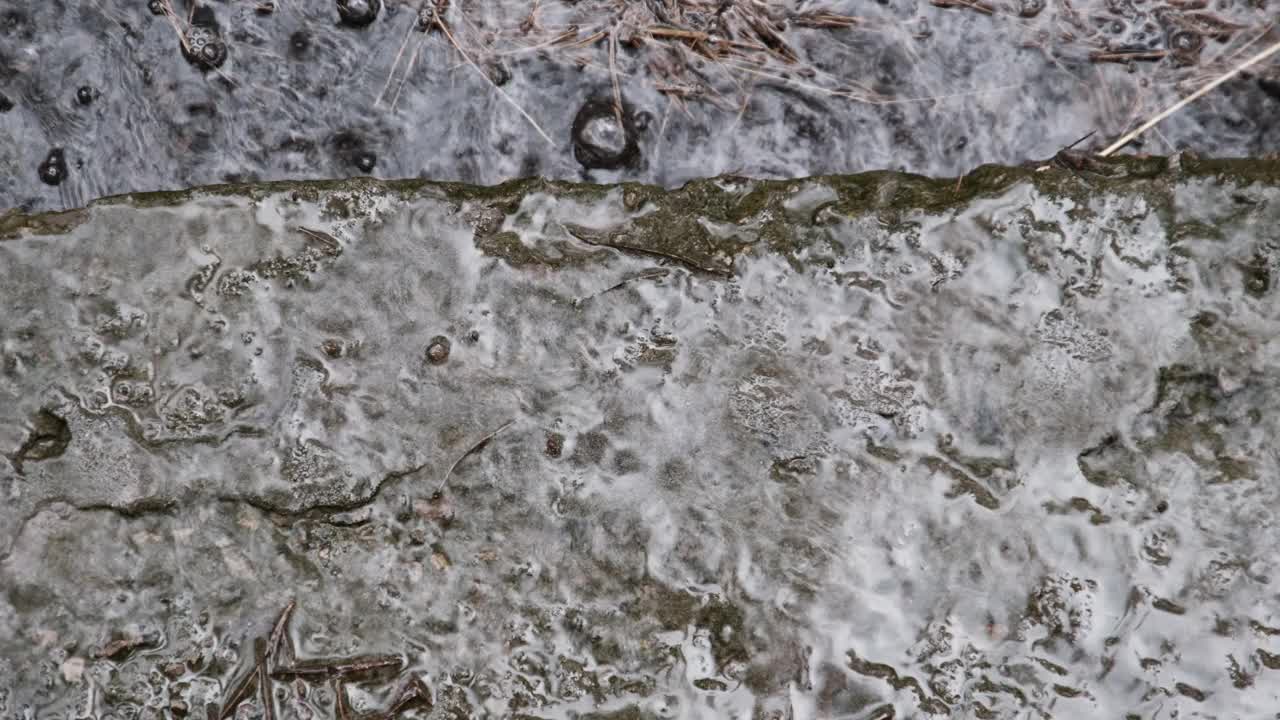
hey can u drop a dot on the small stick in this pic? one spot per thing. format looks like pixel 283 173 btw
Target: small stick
pixel 1125 56
pixel 825 19
pixel 280 633
pixel 650 274
pixel 172 17
pixel 483 441
pixel 332 243
pixel 414 691
pixel 445 29
pixel 589 40
pixel 660 32
pixel 413 60
pixel 360 666
pixel 317 669
pixel 981 7
pixel 613 75
pixel 1113 147
pixel 264 680
pixel 1084 137
pixel 399 54
pixel 239 693
pixel 341 700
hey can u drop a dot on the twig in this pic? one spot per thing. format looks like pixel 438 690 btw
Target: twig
pixel 825 20
pixel 1111 149
pixel 481 443
pixel 324 238
pixel 341 700
pixel 666 32
pixel 399 54
pixel 445 29
pixel 280 634
pixel 413 60
pixel 591 39
pixel 349 667
pixel 613 75
pixel 240 691
pixel 649 274
pixel 172 17
pixel 981 7
pixel 264 680
pixel 1125 56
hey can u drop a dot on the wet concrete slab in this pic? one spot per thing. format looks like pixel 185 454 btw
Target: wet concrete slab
pixel 859 446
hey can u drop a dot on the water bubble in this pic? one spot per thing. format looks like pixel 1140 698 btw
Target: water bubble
pixel 358 13
pixel 1030 8
pixel 54 168
pixel 600 141
pixel 1185 41
pixel 498 73
pixel 438 350
pixel 365 161
pixel 606 134
pixel 203 46
pixel 84 95
pixel 299 43
pixel 156 7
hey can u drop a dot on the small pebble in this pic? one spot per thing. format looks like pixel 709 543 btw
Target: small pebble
pixel 438 350
pixel 54 168
pixel 555 445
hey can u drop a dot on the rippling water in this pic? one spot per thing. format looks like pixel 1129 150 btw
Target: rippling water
pixel 796 450
pixel 299 95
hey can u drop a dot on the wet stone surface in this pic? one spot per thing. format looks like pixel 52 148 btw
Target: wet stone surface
pixel 866 446
pixel 200 92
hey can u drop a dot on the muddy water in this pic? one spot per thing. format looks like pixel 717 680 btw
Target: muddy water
pixel 294 93
pixel 800 450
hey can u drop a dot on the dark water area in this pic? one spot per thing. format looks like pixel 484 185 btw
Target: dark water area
pixel 108 96
pixel 867 447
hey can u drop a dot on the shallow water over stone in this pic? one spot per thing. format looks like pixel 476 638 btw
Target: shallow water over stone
pixel 870 446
